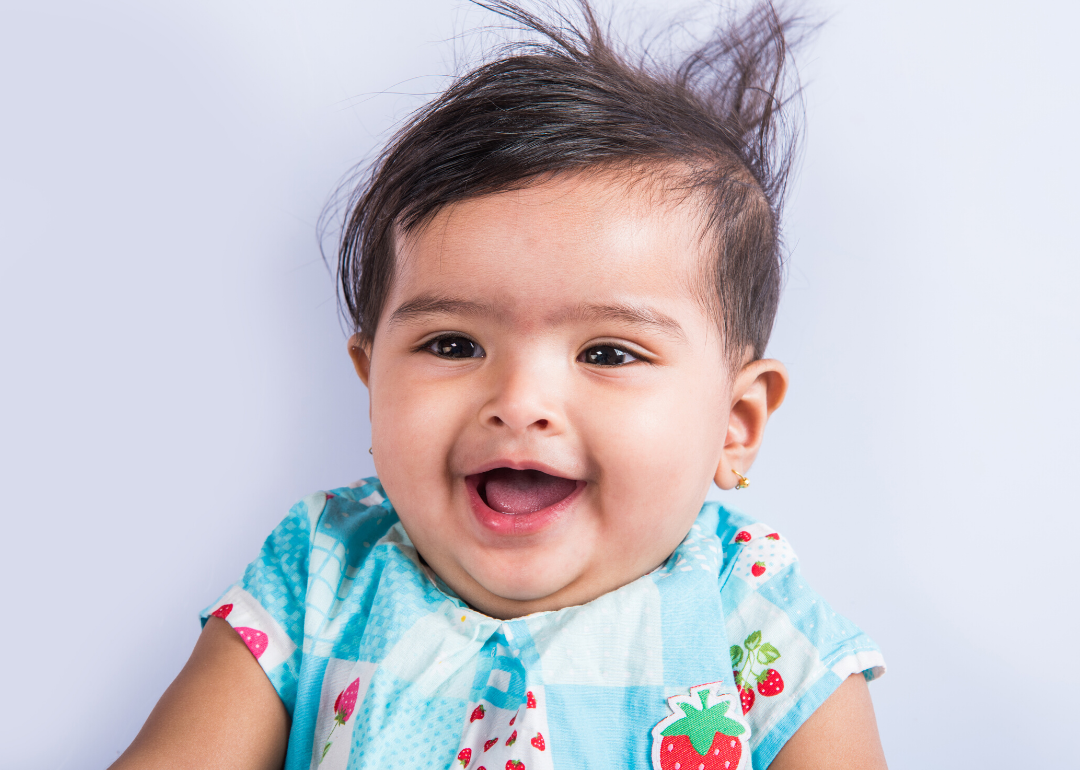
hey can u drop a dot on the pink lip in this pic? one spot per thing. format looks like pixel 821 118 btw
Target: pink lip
pixel 516 524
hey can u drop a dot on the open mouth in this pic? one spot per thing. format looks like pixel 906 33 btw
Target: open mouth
pixel 510 491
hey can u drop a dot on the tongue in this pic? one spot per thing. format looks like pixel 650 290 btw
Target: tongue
pixel 510 491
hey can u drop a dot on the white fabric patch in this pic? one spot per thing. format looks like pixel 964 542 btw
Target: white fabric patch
pixel 340 675
pixel 489 739
pixel 763 553
pixel 867 660
pixel 266 639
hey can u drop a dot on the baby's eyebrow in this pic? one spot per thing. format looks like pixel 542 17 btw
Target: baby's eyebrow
pixel 432 304
pixel 633 315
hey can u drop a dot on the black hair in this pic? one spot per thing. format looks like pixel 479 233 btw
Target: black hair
pixel 572 100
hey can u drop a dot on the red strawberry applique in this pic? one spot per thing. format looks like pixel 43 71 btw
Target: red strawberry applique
pixel 758 569
pixel 464 757
pixel 530 700
pixel 773 536
pixel 742 537
pixel 477 713
pixel 255 639
pixel 515 764
pixel 770 683
pixel 512 739
pixel 489 744
pixel 703 738
pixel 538 742
pixel 222 611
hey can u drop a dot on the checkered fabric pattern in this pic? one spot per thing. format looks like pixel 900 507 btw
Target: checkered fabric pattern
pixel 720 654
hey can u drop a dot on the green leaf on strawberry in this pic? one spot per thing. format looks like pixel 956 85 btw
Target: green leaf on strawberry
pixel 736 654
pixel 702 725
pixel 766 653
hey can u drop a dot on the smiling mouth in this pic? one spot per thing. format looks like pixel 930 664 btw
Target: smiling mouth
pixel 516 492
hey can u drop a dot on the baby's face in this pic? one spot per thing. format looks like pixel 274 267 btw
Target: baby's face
pixel 549 400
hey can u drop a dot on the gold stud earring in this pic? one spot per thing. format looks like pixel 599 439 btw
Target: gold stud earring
pixel 743 481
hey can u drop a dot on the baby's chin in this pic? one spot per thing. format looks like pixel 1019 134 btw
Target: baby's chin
pixel 507 591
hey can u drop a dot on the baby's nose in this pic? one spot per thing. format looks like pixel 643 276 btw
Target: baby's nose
pixel 524 399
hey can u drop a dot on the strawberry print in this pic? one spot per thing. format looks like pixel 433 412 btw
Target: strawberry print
pixel 512 739
pixel 478 713
pixel 538 742
pixel 742 537
pixel 222 611
pixel 773 536
pixel 530 700
pixel 746 694
pixel 702 738
pixel 752 654
pixel 489 744
pixel 255 639
pixel 330 496
pixel 758 569
pixel 514 719
pixel 770 683
pixel 464 757
pixel 514 764
pixel 344 705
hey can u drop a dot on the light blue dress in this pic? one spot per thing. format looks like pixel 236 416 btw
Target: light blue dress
pixel 713 660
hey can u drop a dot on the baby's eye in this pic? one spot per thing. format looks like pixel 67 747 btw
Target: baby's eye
pixel 454 347
pixel 606 355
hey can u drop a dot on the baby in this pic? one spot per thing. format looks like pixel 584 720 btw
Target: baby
pixel 562 274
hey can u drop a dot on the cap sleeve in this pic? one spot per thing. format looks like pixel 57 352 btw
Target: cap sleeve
pixel 266 606
pixel 789 649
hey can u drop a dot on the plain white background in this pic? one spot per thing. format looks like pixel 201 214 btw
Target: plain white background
pixel 174 373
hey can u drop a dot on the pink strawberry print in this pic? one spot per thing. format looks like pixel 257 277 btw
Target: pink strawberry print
pixel 538 742
pixel 464 757
pixel 255 639
pixel 770 683
pixel 344 705
pixel 512 739
pixel 477 713
pixel 346 702
pixel 489 744
pixel 773 536
pixel 515 764
pixel 222 611
pixel 742 537
pixel 530 700
pixel 758 569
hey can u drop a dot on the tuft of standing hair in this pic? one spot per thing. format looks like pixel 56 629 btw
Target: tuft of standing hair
pixel 724 119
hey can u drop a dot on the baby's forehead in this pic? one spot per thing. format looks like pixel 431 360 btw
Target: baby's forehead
pixel 591 209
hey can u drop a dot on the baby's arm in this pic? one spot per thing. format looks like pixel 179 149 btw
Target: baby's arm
pixel 220 712
pixel 841 734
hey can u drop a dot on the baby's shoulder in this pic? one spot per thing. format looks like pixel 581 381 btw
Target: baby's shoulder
pixel 789 648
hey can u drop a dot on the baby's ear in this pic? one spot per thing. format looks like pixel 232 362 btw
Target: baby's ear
pixel 758 390
pixel 360 353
